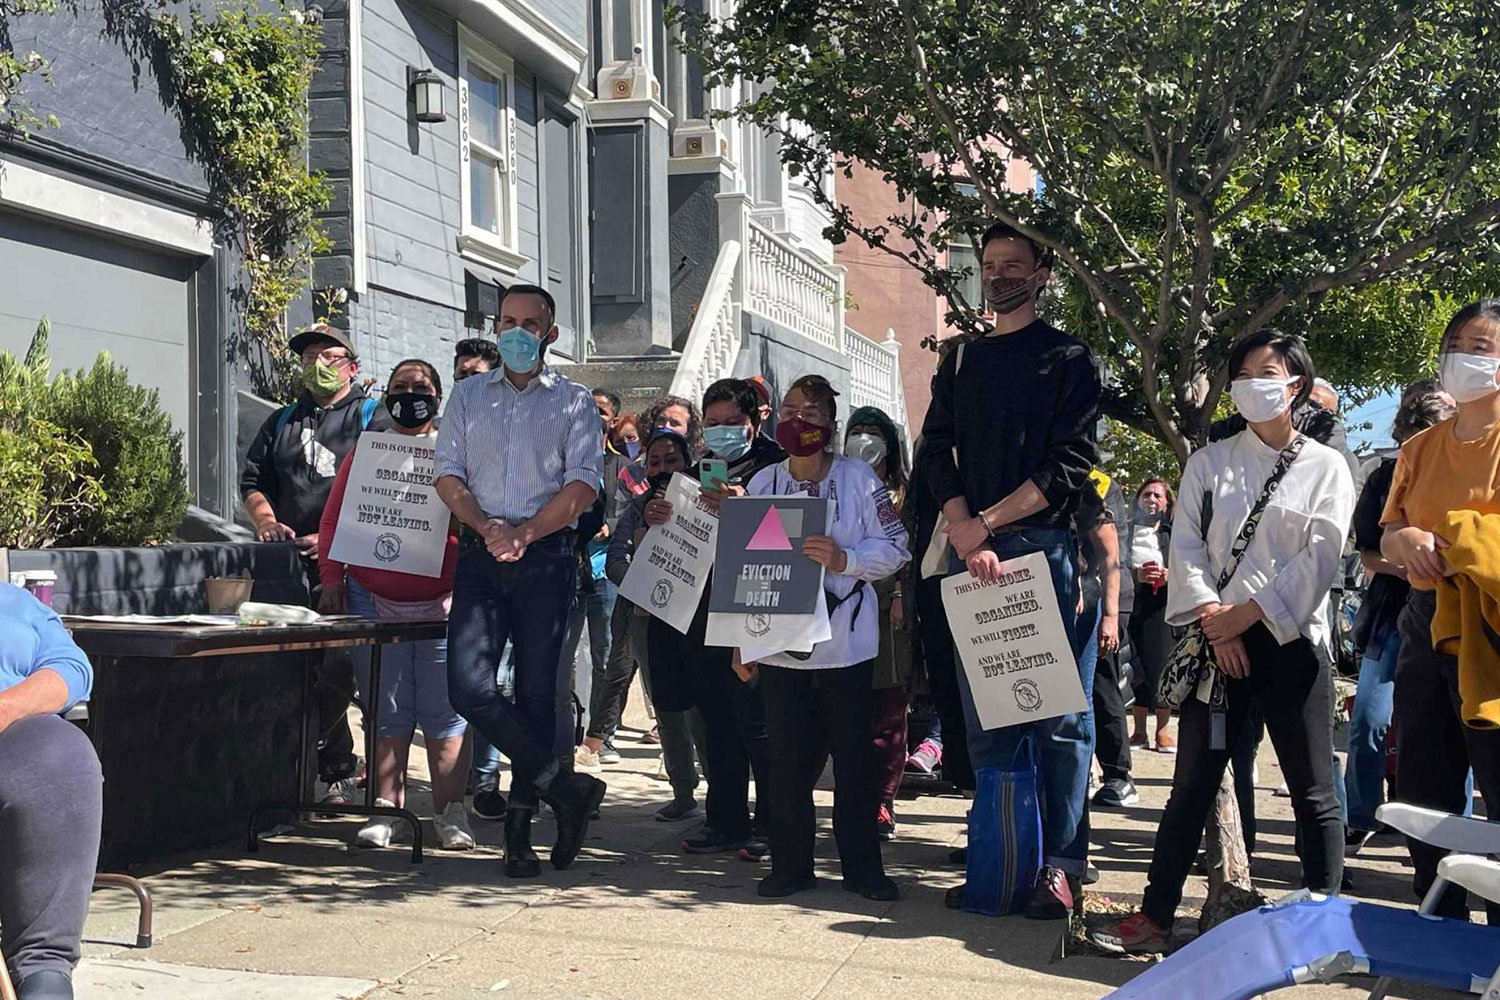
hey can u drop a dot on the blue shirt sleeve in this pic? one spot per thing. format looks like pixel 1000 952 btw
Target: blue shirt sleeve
pixel 53 649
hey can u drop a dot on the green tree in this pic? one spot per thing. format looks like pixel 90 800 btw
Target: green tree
pixel 1208 167
pixel 1130 457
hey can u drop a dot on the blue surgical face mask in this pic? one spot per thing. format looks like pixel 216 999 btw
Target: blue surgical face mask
pixel 633 449
pixel 727 441
pixel 520 350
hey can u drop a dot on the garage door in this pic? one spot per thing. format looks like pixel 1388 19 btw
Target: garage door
pixel 101 296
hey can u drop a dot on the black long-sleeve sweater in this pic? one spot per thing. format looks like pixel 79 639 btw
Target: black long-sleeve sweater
pixel 1022 406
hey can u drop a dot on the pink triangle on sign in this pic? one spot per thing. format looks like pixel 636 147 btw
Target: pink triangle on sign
pixel 771 535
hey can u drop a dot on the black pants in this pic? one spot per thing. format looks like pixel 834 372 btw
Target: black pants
pixel 1111 726
pixel 1151 638
pixel 1294 690
pixel 805 711
pixel 734 722
pixel 333 692
pixel 942 679
pixel 1435 748
pixel 1246 749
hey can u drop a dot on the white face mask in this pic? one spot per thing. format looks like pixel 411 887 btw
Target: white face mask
pixel 1467 377
pixel 869 448
pixel 1260 399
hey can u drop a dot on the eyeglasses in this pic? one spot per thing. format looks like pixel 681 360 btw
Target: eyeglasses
pixel 333 356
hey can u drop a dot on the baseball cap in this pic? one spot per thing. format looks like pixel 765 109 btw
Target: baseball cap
pixel 318 333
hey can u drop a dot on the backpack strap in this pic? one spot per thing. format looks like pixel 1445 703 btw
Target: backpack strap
pixel 367 412
pixel 282 419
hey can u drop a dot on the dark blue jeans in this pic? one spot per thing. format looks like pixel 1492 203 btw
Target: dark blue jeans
pixel 1065 745
pixel 525 603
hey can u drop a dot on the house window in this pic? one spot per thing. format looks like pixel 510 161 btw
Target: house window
pixel 962 256
pixel 487 148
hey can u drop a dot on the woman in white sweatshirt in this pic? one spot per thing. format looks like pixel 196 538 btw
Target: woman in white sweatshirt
pixel 1267 623
pixel 826 699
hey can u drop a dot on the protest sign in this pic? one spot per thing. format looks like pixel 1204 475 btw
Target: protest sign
pixel 757 635
pixel 672 561
pixel 392 517
pixel 760 565
pixel 1015 651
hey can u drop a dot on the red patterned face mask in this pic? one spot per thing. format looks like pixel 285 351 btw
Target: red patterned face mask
pixel 801 438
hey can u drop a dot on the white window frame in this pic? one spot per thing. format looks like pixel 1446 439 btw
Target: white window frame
pixel 502 251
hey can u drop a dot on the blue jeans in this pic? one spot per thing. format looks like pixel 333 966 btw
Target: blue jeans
pixel 1065 745
pixel 525 603
pixel 596 605
pixel 1364 782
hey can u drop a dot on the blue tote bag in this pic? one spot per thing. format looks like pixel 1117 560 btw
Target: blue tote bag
pixel 1005 836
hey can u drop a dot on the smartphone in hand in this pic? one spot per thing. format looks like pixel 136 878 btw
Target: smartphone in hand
pixel 713 473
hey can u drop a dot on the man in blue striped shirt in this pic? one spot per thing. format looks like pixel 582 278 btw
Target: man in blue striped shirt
pixel 518 460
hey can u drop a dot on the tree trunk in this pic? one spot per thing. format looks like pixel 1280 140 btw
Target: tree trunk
pixel 1230 891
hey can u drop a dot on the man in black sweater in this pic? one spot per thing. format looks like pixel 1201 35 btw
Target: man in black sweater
pixel 1010 442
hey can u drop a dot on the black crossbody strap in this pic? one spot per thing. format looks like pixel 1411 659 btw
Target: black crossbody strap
pixel 1247 530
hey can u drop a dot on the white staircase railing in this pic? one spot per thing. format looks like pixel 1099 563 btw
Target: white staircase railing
pixel 875 375
pixel 714 340
pixel 790 287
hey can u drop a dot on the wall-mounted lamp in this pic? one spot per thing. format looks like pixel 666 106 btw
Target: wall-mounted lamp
pixel 425 88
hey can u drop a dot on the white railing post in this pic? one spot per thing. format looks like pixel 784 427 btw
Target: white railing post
pixel 892 347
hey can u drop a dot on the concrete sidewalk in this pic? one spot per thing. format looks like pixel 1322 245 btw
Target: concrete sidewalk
pixel 636 918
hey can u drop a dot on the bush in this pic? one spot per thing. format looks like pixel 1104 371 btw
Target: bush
pixel 50 486
pixel 87 459
pixel 139 455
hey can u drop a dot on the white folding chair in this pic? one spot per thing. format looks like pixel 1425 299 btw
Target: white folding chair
pixel 1471 840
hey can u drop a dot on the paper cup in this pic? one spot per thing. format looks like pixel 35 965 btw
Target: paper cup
pixel 227 593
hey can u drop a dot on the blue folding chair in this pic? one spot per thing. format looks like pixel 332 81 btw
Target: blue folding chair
pixel 1307 938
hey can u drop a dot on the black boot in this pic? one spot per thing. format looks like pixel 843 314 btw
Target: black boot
pixel 47 985
pixel 520 860
pixel 573 798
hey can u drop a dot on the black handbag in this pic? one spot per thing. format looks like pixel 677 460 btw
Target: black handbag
pixel 1193 659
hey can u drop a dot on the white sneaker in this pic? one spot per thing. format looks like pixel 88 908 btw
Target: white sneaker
pixel 453 827
pixel 380 831
pixel 586 761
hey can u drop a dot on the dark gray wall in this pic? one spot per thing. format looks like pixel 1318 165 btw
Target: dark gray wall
pixel 106 100
pixel 330 146
pixel 116 131
pixel 782 356
pixel 694 229
pixel 637 322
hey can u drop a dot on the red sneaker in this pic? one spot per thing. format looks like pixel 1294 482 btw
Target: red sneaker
pixel 1136 934
pixel 1053 895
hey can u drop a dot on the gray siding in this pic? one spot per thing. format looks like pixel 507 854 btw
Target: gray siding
pixel 412 171
pixel 570 17
pixel 413 215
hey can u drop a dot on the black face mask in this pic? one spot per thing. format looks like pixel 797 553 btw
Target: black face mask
pixel 660 482
pixel 411 409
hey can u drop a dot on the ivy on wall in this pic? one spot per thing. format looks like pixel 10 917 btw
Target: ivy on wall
pixel 241 78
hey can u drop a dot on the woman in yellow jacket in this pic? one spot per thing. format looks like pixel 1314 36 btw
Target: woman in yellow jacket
pixel 1452 467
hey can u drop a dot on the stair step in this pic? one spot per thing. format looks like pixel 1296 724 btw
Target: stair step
pixel 637 380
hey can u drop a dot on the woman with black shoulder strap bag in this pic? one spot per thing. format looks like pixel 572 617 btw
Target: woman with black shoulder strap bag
pixel 1251 587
